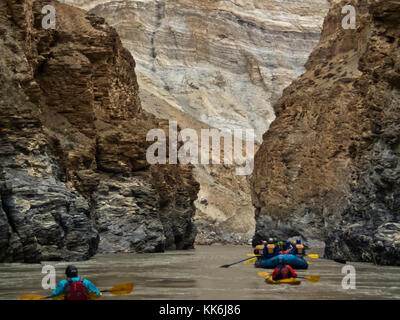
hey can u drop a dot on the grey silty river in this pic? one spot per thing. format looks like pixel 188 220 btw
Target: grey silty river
pixel 195 274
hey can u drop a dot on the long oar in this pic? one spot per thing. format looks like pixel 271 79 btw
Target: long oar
pixel 254 258
pixel 316 256
pixel 119 289
pixel 251 260
pixel 308 278
pixel 228 265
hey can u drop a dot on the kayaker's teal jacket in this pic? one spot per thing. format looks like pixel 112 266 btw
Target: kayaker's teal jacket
pixel 61 285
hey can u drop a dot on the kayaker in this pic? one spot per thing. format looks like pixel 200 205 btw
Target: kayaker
pixel 74 288
pixel 287 247
pixel 259 248
pixel 298 248
pixel 292 247
pixel 283 271
pixel 270 249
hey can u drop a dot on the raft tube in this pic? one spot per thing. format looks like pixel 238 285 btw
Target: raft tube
pixel 296 262
pixel 292 281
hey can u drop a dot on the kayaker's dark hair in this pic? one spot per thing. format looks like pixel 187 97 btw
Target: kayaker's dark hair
pixel 71 271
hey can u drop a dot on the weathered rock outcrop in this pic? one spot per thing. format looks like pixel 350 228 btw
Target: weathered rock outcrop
pixel 329 166
pixel 220 64
pixel 73 169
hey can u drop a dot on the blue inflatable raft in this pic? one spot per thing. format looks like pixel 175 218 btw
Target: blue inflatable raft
pixel 296 262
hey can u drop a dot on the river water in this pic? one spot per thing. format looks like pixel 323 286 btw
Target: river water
pixel 195 274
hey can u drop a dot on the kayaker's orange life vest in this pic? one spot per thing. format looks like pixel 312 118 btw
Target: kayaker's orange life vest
pixel 260 248
pixel 270 248
pixel 300 248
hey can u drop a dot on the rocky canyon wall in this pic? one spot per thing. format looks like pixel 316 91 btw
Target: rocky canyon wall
pixel 223 62
pixel 216 64
pixel 329 166
pixel 74 179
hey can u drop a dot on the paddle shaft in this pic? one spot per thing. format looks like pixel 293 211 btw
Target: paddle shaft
pixel 228 265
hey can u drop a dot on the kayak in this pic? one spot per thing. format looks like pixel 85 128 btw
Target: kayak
pixel 92 296
pixel 292 281
pixel 296 262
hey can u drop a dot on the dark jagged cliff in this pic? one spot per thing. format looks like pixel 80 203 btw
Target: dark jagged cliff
pixel 329 166
pixel 74 179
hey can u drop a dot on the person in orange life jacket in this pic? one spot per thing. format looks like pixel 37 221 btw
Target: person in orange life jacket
pixel 283 271
pixel 270 249
pixel 298 248
pixel 257 251
pixel 74 288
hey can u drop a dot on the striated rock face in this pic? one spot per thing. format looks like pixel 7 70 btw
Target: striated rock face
pixel 219 64
pixel 329 167
pixel 223 62
pixel 74 177
pixel 224 212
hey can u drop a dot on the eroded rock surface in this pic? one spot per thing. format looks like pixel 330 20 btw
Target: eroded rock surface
pixel 219 64
pixel 329 166
pixel 74 177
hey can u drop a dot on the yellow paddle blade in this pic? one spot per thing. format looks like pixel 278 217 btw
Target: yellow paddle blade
pixel 123 288
pixel 93 296
pixel 314 256
pixel 312 278
pixel 263 274
pixel 251 260
pixel 253 255
pixel 31 296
